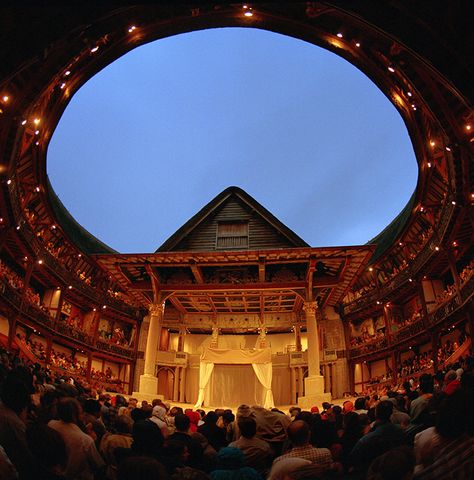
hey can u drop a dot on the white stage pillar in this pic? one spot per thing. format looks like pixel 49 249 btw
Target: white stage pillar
pixel 148 381
pixel 314 383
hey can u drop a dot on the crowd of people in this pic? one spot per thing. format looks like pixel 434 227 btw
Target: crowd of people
pixel 55 428
pixel 366 337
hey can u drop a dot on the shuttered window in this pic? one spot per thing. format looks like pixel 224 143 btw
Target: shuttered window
pixel 232 235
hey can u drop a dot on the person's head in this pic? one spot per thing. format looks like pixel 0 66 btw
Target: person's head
pixel 351 423
pixel 182 422
pixel 347 406
pixel 15 394
pixel 383 411
pixel 147 437
pixel 211 418
pixel 426 383
pixel 123 424
pixel 138 414
pixel 247 427
pixel 455 416
pixel 294 411
pixel 228 417
pixel 229 458
pixel 326 405
pixel 141 468
pixel 396 464
pixel 360 403
pixel 69 410
pixel 305 416
pixel 298 433
pixel 92 407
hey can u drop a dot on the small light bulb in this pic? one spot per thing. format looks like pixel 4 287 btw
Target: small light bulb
pixel 104 306
pixel 468 127
pixel 93 50
pixel 40 262
pixel 5 98
pixel 371 269
pixel 70 287
pixel 9 181
pixel 67 73
pixel 453 203
pixel 437 249
pixel 37 189
pixel 23 122
pixel 248 13
pixel 432 143
pixel 18 227
pixel 357 44
pixel 339 35
pixel 37 121
pixel 62 86
pixel 429 164
pixel 448 149
pixel 37 132
pixel 391 69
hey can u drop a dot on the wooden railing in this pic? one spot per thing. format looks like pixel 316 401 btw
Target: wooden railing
pixel 436 317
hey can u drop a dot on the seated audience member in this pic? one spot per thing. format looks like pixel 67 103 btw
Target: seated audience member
pixel 215 434
pixel 419 404
pixel 360 406
pixel 351 434
pixel 383 437
pixel 398 416
pixel 110 442
pixel 159 418
pixel 231 465
pixel 147 439
pixel 299 436
pixel 15 400
pixel 83 458
pixel 452 454
pixel 141 468
pixel 396 464
pixel 258 453
pixel 49 451
pixel 182 434
pixel 281 470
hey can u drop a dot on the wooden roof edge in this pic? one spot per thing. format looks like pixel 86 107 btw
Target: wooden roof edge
pixel 207 210
pixel 210 253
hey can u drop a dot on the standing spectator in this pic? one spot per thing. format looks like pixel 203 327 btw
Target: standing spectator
pixel 83 458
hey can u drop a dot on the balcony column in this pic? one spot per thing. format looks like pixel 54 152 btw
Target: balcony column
pixel 148 381
pixel 181 338
pixel 298 336
pixel 176 384
pixel 293 385
pixel 454 273
pixel 314 383
pixel 300 382
pixel 182 383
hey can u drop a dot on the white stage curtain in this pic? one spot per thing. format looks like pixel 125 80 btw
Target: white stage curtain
pixel 260 359
pixel 205 371
pixel 225 388
pixel 263 371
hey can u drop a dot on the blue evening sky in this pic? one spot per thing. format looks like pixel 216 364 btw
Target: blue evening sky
pixel 152 138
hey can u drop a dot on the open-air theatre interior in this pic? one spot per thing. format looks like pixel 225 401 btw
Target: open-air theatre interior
pixel 235 297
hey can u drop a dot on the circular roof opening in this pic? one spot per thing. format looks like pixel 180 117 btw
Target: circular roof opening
pixel 152 138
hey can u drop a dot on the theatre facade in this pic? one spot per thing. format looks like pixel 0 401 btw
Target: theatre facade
pixel 235 307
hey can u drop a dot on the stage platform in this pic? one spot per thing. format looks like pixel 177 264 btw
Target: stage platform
pixel 283 408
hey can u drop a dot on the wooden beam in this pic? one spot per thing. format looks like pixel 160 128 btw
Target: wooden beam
pixel 197 273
